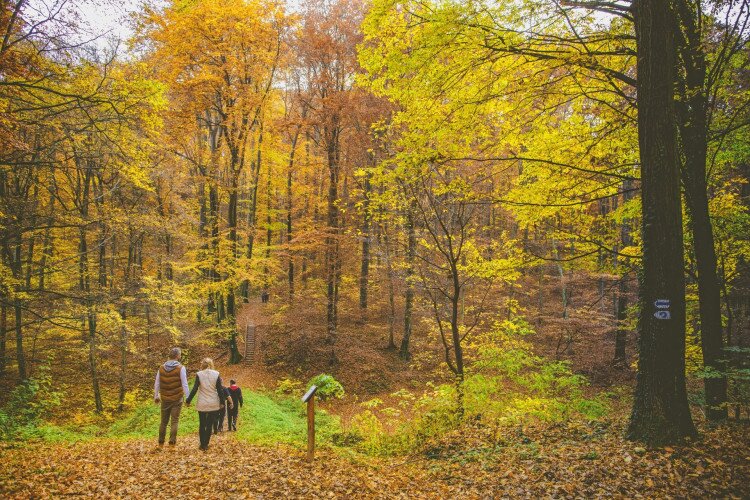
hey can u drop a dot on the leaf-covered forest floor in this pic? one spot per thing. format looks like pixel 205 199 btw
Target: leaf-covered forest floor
pixel 265 459
pixel 568 460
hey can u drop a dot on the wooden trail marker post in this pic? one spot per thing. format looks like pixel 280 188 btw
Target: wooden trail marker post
pixel 309 398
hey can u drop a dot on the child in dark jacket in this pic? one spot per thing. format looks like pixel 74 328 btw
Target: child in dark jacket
pixel 235 393
pixel 219 421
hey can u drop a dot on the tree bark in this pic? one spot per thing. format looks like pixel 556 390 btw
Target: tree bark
pixel 20 355
pixel 269 229
pixel 332 241
pixel 232 222
pixel 123 359
pixel 458 351
pixel 692 118
pixel 289 205
pixel 391 290
pixel 3 336
pixel 621 334
pixel 252 210
pixel 411 249
pixel 621 300
pixel 364 272
pixel 660 407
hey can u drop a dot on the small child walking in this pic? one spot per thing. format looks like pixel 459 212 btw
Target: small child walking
pixel 235 394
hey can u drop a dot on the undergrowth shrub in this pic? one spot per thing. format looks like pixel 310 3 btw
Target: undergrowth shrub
pixel 328 387
pixel 288 386
pixel 29 402
pixel 505 383
pixel 738 378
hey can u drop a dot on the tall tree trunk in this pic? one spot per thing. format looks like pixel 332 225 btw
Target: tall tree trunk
pixel 232 221
pixel 693 126
pixel 90 317
pixel 20 355
pixel 92 359
pixel 332 240
pixel 621 334
pixel 18 313
pixel 411 250
pixel 458 351
pixel 563 283
pixel 540 290
pixel 269 230
pixel 289 205
pixel 46 255
pixel 234 351
pixel 253 208
pixel 3 336
pixel 123 359
pixel 621 299
pixel 84 284
pixel 168 272
pixel 364 273
pixel 391 291
pixel 660 407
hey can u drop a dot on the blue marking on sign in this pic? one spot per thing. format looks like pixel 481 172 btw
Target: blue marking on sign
pixel 662 315
pixel 662 303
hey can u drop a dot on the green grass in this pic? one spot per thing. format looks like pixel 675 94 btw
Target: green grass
pixel 264 419
pixel 269 419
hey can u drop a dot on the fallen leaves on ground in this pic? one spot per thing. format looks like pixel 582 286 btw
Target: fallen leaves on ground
pixel 562 461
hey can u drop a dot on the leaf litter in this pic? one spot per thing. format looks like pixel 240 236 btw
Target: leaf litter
pixel 563 460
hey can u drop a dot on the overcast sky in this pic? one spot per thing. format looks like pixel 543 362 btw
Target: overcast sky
pixel 111 18
pixel 107 18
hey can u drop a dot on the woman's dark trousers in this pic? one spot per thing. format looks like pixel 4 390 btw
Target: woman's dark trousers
pixel 206 421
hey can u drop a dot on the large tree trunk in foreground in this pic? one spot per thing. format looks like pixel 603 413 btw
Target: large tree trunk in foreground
pixel 660 407
pixel 693 126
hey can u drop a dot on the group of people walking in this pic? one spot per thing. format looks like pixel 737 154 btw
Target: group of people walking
pixel 214 401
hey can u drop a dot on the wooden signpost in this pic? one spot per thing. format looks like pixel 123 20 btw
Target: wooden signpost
pixel 309 398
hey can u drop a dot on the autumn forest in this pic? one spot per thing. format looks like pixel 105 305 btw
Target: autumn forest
pixel 507 243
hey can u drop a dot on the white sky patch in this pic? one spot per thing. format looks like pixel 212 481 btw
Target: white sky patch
pixel 108 20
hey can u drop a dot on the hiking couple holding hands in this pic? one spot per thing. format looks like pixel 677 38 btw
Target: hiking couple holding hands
pixel 171 387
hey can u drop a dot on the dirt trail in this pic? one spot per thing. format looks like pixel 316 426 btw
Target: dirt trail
pixel 251 373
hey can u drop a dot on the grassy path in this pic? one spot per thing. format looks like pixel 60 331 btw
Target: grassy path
pixel 264 419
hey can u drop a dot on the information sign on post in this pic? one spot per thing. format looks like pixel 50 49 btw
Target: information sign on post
pixel 309 398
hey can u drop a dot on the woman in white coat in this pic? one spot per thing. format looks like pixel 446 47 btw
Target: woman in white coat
pixel 211 397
